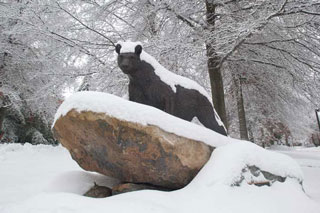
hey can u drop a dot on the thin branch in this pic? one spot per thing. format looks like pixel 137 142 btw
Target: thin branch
pixel 235 47
pixel 73 75
pixel 258 61
pixel 309 12
pixel 189 21
pixel 86 26
pixel 270 42
pixel 308 48
pixel 296 12
pixel 248 35
pixel 295 57
pixel 279 11
pixel 74 44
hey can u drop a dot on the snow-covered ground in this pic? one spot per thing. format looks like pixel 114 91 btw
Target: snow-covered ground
pixel 45 179
pixel 309 161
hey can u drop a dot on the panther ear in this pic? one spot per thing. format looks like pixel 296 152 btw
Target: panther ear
pixel 138 49
pixel 118 47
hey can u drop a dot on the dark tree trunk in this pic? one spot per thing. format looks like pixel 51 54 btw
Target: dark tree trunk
pixel 214 67
pixel 237 82
pixel 151 21
pixel 85 85
pixel 241 114
pixel 2 115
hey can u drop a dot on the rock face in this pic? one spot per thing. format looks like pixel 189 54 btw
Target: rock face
pixel 129 151
pixel 254 175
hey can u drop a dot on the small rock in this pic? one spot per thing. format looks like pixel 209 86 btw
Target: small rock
pixel 98 192
pixel 130 187
pixel 253 175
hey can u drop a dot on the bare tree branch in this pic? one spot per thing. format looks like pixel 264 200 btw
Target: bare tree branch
pixel 86 26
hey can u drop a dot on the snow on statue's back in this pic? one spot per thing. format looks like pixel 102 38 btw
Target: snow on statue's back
pixel 152 84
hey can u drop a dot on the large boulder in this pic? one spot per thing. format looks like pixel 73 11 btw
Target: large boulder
pixel 129 151
pixel 145 147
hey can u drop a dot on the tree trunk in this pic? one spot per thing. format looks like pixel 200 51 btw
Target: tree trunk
pixel 2 115
pixel 318 117
pixel 241 114
pixel 214 67
pixel 85 85
pixel 151 20
pixel 237 82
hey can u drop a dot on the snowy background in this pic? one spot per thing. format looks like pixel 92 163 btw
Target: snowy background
pixel 269 59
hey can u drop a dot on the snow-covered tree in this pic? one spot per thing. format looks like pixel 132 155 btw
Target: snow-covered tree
pixel 264 55
pixel 267 44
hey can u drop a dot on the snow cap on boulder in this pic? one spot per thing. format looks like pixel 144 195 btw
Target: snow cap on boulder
pixel 139 113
